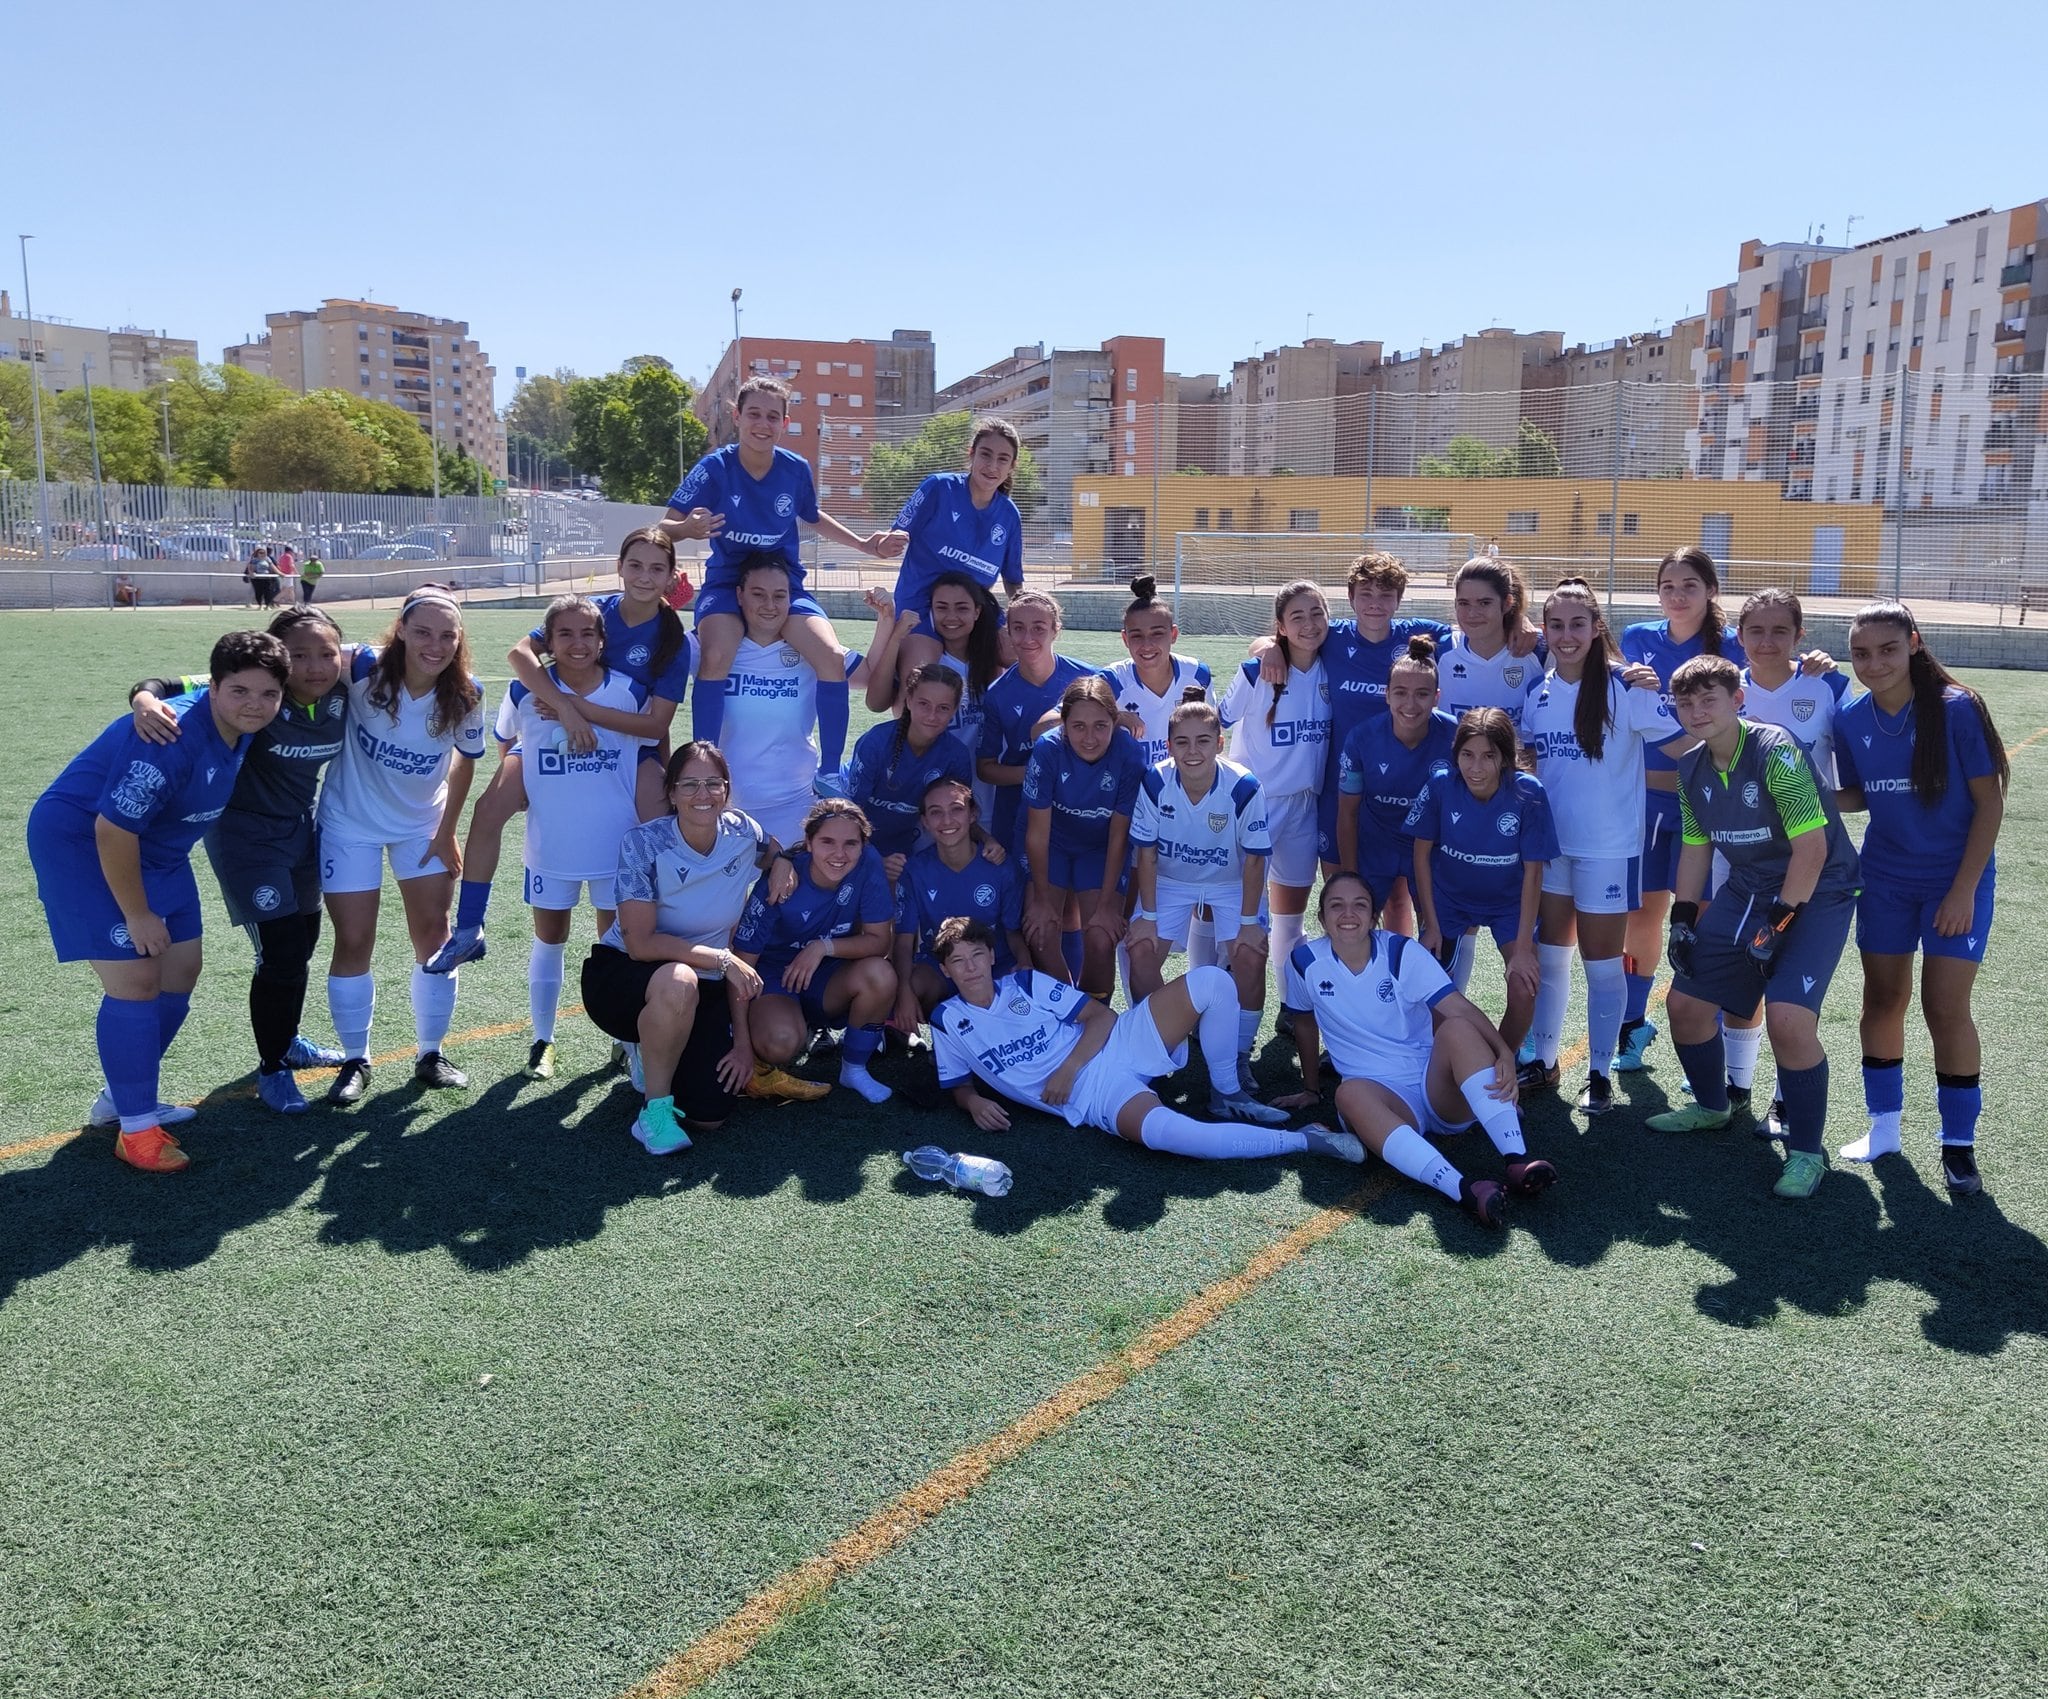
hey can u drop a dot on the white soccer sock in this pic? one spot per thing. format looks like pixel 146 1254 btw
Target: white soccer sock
pixel 352 1006
pixel 1202 943
pixel 433 1006
pixel 1462 959
pixel 855 1077
pixel 544 987
pixel 1247 1030
pixel 1413 1155
pixel 1214 995
pixel 1502 1124
pixel 1553 992
pixel 1606 997
pixel 1123 971
pixel 1170 1130
pixel 1287 932
pixel 1741 1044
pixel 1881 1140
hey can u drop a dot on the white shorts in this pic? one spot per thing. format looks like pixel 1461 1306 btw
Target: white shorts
pixel 1177 905
pixel 1292 822
pixel 360 867
pixel 1123 1068
pixel 553 891
pixel 1413 1090
pixel 1596 884
pixel 782 818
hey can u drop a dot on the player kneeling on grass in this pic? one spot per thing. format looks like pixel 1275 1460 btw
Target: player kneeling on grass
pixel 823 951
pixel 958 873
pixel 1044 1043
pixel 1413 1057
pixel 1775 929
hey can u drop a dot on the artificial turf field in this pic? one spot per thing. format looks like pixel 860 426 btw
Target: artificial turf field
pixel 465 1394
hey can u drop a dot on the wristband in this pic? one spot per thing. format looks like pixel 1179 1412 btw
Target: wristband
pixel 1245 920
pixel 1685 914
pixel 1144 914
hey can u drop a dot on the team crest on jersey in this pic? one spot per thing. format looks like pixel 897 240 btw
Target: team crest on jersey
pixel 1386 991
pixel 1507 825
pixel 1512 677
pixel 1323 690
pixel 788 656
pixel 1803 710
pixel 733 866
pixel 1218 821
pixel 265 897
pixel 1750 794
pixel 119 934
pixel 1020 1005
pixel 998 535
pixel 984 896
pixel 845 894
pixel 1109 781
pixel 784 507
pixel 637 655
pixel 138 788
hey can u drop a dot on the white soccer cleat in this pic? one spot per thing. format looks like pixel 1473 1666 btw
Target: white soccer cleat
pixel 104 1114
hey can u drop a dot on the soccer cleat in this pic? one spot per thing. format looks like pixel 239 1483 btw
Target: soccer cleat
pixel 1774 1122
pixel 1486 1201
pixel 773 1085
pixel 104 1113
pixel 280 1091
pixel 465 944
pixel 1527 1053
pixel 1242 1106
pixel 1738 1096
pixel 1692 1118
pixel 1528 1175
pixel 1959 1170
pixel 438 1073
pixel 302 1052
pixel 1628 1054
pixel 152 1150
pixel 1881 1140
pixel 618 1056
pixel 1538 1075
pixel 1332 1141
pixel 351 1082
pixel 1598 1097
pixel 829 784
pixel 1801 1175
pixel 658 1130
pixel 540 1059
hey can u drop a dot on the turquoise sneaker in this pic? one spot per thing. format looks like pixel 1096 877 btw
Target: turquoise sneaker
pixel 657 1129
pixel 1692 1118
pixel 1802 1174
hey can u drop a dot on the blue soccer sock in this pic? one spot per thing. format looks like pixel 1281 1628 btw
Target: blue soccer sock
pixel 859 1045
pixel 1637 1006
pixel 835 714
pixel 707 709
pixel 1706 1071
pixel 1804 1092
pixel 474 902
pixel 1071 952
pixel 171 1009
pixel 1960 1098
pixel 127 1034
pixel 1884 1085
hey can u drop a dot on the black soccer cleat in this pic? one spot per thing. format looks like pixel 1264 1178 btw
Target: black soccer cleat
pixel 1486 1201
pixel 1598 1097
pixel 436 1072
pixel 351 1082
pixel 1529 1175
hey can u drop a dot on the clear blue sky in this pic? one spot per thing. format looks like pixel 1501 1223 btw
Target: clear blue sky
pixel 586 182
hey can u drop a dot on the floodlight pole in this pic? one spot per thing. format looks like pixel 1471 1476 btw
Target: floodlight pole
pixel 35 389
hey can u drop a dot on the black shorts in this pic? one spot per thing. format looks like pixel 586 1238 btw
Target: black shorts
pixel 268 868
pixel 614 993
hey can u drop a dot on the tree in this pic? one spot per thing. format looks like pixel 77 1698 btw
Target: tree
pixel 461 475
pixel 130 438
pixel 894 470
pixel 1465 457
pixel 209 407
pixel 305 445
pixel 1534 454
pixel 633 430
pixel 405 453
pixel 17 426
pixel 539 413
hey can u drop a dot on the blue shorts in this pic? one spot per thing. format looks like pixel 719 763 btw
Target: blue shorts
pixel 267 868
pixel 810 1000
pixel 1661 844
pixel 725 599
pixel 1896 923
pixel 86 924
pixel 1724 975
pixel 1502 923
pixel 1080 869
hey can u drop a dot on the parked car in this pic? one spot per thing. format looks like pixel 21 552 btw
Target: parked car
pixel 201 545
pixel 399 551
pixel 101 551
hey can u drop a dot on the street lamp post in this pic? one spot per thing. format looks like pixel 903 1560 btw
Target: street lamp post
pixel 92 431
pixel 739 357
pixel 35 380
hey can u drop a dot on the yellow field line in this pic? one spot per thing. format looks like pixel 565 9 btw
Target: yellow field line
pixel 2031 737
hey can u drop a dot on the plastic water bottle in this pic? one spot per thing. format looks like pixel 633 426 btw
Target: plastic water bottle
pixel 963 1173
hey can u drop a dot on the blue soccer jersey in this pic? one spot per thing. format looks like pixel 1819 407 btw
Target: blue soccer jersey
pixel 1650 642
pixel 165 794
pixel 1358 668
pixel 1912 846
pixel 948 533
pixel 1478 849
pixel 888 779
pixel 1386 776
pixel 630 649
pixel 775 932
pixel 933 893
pixel 1010 708
pixel 761 514
pixel 1084 796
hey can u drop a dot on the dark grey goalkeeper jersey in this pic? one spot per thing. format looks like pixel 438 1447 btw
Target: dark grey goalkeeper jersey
pixel 281 774
pixel 1754 811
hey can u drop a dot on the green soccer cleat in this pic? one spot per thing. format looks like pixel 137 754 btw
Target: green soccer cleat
pixel 1692 1118
pixel 1802 1174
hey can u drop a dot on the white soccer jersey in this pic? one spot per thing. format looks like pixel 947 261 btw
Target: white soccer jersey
pixel 1154 710
pixel 1597 806
pixel 391 779
pixel 1201 844
pixel 1375 1023
pixel 770 735
pixel 1805 707
pixel 1291 754
pixel 1014 1045
pixel 1469 680
pixel 698 898
pixel 578 807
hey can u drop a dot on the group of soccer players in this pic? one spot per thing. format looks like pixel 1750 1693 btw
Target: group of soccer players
pixel 1024 830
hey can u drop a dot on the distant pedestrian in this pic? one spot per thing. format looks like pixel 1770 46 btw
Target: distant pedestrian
pixel 261 574
pixel 287 575
pixel 310 573
pixel 126 593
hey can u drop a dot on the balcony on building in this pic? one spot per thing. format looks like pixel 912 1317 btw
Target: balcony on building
pixel 1806 407
pixel 419 384
pixel 2003 434
pixel 1814 318
pixel 2010 330
pixel 1809 367
pixel 408 339
pixel 2014 275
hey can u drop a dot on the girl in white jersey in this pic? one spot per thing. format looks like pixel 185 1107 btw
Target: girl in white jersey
pixel 1588 729
pixel 1480 669
pixel 1282 733
pixel 415 731
pixel 580 803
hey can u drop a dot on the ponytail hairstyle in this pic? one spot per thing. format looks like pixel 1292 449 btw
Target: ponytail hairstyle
pixel 668 623
pixel 1487 725
pixel 455 692
pixel 1289 593
pixel 1774 598
pixel 560 608
pixel 1697 561
pixel 837 808
pixel 1931 680
pixel 994 427
pixel 932 672
pixel 1144 594
pixel 1594 711
pixel 292 618
pixel 984 637
pixel 1504 580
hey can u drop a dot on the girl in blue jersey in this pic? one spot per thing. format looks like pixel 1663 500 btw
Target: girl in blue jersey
pixel 969 629
pixel 1020 706
pixel 111 842
pixel 823 951
pixel 1281 731
pixel 955 874
pixel 1481 669
pixel 1080 786
pixel 1483 835
pixel 1921 753
pixel 958 522
pixel 645 640
pixel 896 762
pixel 745 498
pixel 1382 769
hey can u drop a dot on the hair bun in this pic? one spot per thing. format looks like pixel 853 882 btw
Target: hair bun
pixel 1422 647
pixel 1144 587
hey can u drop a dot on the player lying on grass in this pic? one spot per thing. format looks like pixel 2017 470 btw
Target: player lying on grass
pixel 111 842
pixel 1413 1057
pixel 1043 1043
pixel 1775 929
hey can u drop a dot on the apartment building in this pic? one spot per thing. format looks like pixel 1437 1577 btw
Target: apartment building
pixel 1196 432
pixel 1470 387
pixel 1905 370
pixel 128 358
pixel 1630 396
pixel 430 367
pixel 251 354
pixel 1295 408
